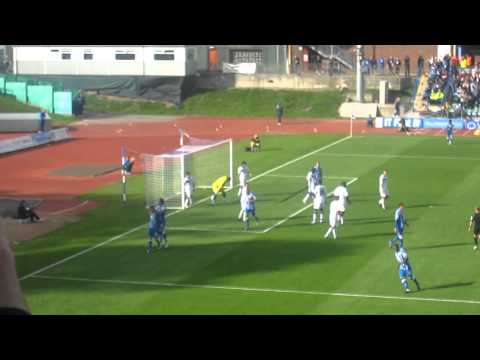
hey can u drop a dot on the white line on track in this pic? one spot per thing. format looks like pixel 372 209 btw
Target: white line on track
pixel 300 211
pixel 264 290
pixel 176 212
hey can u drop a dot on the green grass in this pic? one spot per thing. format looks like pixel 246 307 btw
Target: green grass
pixel 233 102
pixel 10 104
pixel 435 181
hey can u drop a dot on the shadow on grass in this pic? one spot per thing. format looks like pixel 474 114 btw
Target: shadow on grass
pixel 215 259
pixel 425 205
pixel 451 285
pixel 439 246
pixel 292 195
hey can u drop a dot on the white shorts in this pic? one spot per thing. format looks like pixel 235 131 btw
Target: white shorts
pixel 242 179
pixel 188 191
pixel 318 203
pixel 342 207
pixel 384 193
pixel 332 219
pixel 311 188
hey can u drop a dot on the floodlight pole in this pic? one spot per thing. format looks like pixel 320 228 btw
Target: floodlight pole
pixel 359 74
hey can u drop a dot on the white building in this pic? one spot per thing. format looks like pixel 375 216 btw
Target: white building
pixel 151 60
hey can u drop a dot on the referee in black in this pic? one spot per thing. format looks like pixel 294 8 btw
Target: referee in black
pixel 475 221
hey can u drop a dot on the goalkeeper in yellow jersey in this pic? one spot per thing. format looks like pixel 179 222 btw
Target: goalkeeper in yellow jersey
pixel 218 186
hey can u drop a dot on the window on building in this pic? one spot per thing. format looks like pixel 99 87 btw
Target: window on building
pixel 167 57
pixel 246 56
pixel 87 56
pixel 66 56
pixel 120 56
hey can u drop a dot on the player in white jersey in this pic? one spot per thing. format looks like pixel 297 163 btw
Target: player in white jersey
pixel 404 268
pixel 312 180
pixel 243 202
pixel 249 207
pixel 383 189
pixel 243 174
pixel 332 217
pixel 342 194
pixel 188 188
pixel 319 202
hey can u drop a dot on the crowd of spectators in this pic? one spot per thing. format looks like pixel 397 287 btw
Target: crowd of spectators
pixel 454 83
pixel 393 65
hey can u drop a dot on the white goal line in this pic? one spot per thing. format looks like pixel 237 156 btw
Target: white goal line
pixel 264 290
pixel 126 233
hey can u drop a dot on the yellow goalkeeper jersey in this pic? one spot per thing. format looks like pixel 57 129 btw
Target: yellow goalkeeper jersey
pixel 218 184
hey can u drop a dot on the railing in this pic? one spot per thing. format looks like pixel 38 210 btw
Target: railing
pixel 337 53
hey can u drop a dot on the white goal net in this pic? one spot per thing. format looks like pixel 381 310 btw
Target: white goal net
pixel 206 160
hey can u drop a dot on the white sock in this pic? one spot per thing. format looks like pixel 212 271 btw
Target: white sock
pixel 341 222
pixel 321 217
pixel 240 214
pixel 314 217
pixel 328 232
pixel 334 234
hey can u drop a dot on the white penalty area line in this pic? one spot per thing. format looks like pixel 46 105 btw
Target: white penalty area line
pixel 262 290
pixel 300 211
pixel 214 230
pixel 176 212
pixel 418 157
pixel 303 177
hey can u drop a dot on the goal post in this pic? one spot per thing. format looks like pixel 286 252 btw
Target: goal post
pixel 206 160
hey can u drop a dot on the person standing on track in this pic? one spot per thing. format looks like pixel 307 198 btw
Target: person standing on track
pixel 279 112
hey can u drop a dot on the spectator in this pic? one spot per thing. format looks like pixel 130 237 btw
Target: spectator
pixel 370 121
pixel 406 63
pixel 381 63
pixel 374 65
pixel 11 297
pixel 398 64
pixel 319 63
pixel 279 113
pixel 297 65
pixel 420 63
pixel 25 212
pixel 390 65
pixel 397 107
pixel 43 116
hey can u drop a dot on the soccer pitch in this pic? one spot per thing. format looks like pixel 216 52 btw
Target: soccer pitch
pixel 283 265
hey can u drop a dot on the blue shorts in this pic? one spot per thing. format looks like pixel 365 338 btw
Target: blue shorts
pixel 250 211
pixel 152 232
pixel 404 272
pixel 160 228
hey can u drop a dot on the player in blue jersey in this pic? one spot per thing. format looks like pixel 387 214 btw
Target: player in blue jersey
pixel 160 212
pixel 152 229
pixel 404 268
pixel 399 225
pixel 449 131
